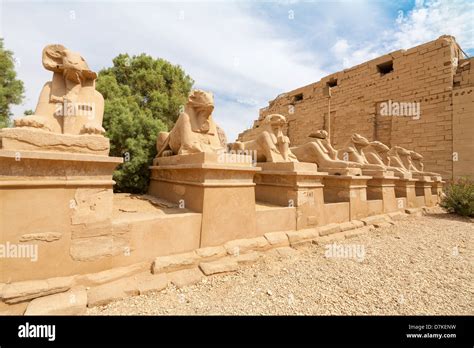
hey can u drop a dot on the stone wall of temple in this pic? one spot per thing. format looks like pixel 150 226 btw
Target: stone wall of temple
pixel 435 76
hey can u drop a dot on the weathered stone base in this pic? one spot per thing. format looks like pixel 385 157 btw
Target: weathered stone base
pixel 383 188
pixel 54 208
pixel 218 186
pixel 350 189
pixel 405 192
pixel 341 171
pixel 423 189
pixel 293 185
pixel 52 296
pixel 377 172
pixel 32 139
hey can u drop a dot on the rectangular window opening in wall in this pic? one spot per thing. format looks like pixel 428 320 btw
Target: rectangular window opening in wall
pixel 332 83
pixel 298 97
pixel 385 68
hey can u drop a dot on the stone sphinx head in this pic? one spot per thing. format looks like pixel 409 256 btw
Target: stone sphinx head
pixel 381 150
pixel 416 159
pixel 72 65
pixel 275 122
pixel 202 102
pixel 69 103
pixel 380 147
pixel 416 156
pixel 359 140
pixel 400 151
pixel 320 134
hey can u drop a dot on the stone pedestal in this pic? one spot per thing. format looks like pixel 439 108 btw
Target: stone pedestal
pixel 59 203
pixel 383 187
pixel 342 171
pixel 220 187
pixel 352 189
pixel 437 190
pixel 403 175
pixel 423 189
pixel 30 139
pixel 377 172
pixel 293 184
pixel 405 191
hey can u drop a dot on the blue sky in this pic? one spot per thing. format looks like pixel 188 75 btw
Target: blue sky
pixel 245 52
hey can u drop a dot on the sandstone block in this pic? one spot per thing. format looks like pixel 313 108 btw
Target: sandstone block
pixel 174 262
pixel 13 309
pixel 103 277
pixel 277 239
pixel 219 266
pixel 117 290
pixel 218 251
pixel 296 237
pixel 185 277
pixel 152 282
pixel 27 290
pixel 375 219
pixel 247 258
pixel 357 232
pixel 72 302
pixel 330 229
pixel 286 251
pixel 240 246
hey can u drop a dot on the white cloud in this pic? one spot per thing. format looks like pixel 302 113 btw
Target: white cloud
pixel 425 22
pixel 432 19
pixel 221 45
pixel 246 56
pixel 340 48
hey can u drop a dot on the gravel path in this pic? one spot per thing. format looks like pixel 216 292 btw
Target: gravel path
pixel 422 265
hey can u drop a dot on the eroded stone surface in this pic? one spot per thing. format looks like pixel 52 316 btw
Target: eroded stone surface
pixel 240 246
pixel 276 239
pixel 218 251
pixel 106 293
pixel 185 277
pixel 247 258
pixel 103 277
pixel 41 236
pixel 376 219
pixel 329 229
pixel 72 302
pixel 219 266
pixel 174 262
pixel 27 290
pixel 152 282
pixel 296 237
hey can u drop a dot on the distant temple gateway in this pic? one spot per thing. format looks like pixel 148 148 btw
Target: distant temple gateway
pixel 419 98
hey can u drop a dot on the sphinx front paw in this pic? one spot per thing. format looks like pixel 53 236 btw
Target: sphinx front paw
pixel 33 121
pixel 92 128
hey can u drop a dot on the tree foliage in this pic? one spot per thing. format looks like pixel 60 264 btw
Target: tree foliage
pixel 142 96
pixel 11 89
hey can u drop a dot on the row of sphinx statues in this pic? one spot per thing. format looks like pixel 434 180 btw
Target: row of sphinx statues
pixel 195 131
pixel 358 156
pixel 73 84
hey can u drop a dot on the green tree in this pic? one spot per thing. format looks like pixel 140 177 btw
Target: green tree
pixel 142 96
pixel 11 89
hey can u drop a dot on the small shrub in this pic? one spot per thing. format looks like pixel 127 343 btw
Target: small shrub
pixel 459 197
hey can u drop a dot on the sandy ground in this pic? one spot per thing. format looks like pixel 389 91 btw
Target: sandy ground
pixel 422 265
